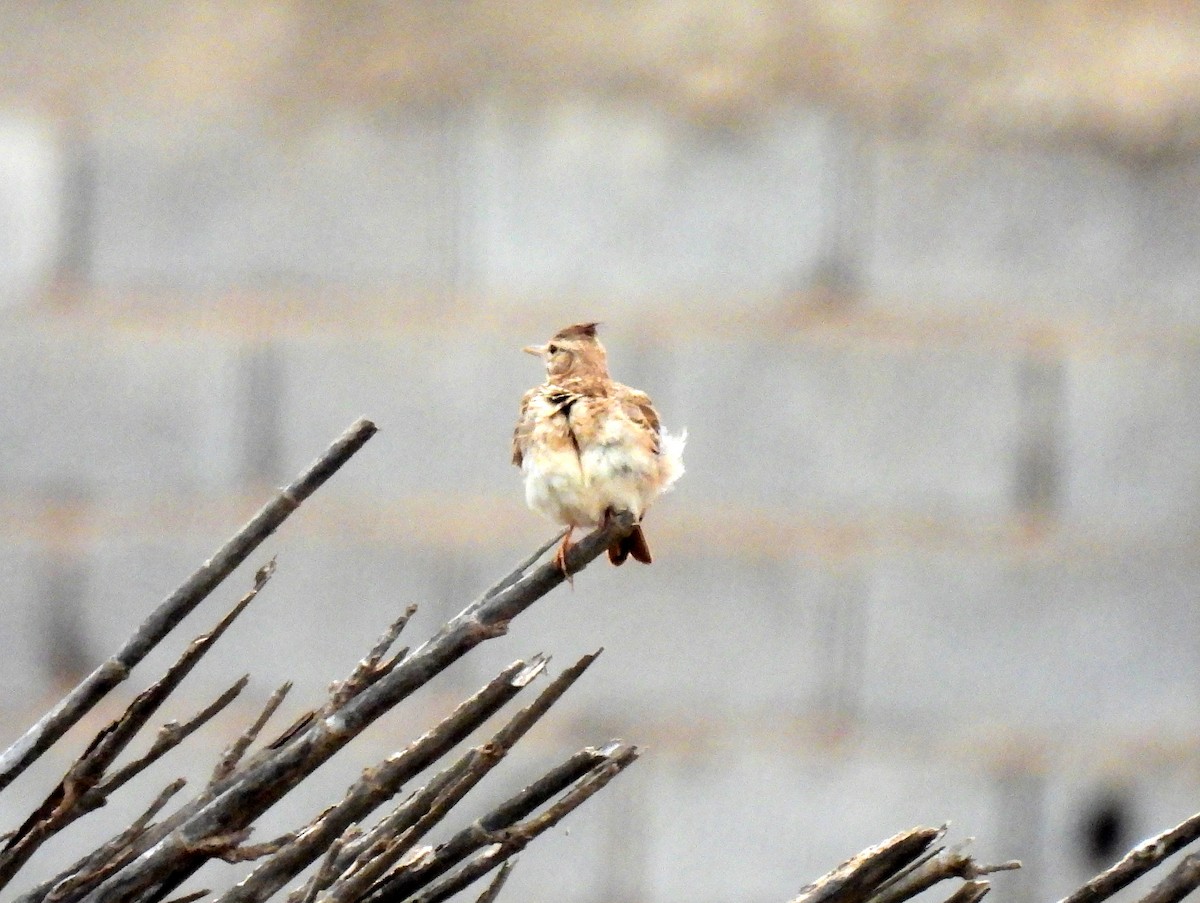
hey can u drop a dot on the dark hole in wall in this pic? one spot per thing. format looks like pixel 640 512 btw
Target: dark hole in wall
pixel 1105 827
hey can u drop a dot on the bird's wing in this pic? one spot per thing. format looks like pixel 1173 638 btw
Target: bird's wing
pixel 523 428
pixel 640 410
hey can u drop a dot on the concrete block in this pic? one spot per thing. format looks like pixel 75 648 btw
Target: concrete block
pixel 990 642
pixel 118 415
pixel 1166 247
pixel 445 405
pixel 32 179
pixel 692 638
pixel 23 669
pixel 1131 433
pixel 1037 231
pixel 631 206
pixel 346 201
pixel 932 431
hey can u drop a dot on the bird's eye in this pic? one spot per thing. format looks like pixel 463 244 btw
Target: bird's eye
pixel 553 349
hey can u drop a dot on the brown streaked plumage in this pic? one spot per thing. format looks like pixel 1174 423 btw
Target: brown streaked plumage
pixel 590 447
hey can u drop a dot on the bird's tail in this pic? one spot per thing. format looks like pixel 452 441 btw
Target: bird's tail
pixel 634 544
pixel 671 458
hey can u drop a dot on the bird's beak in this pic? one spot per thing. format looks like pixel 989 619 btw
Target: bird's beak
pixel 535 350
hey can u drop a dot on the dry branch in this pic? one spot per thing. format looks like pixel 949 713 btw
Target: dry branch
pixel 386 863
pixel 508 842
pixel 381 783
pixel 970 892
pixel 178 605
pixel 900 868
pixel 483 831
pixel 1182 880
pixel 77 793
pixel 262 783
pixel 493 889
pixel 169 736
pixel 238 748
pixel 936 865
pixel 110 855
pixel 1137 862
pixel 858 878
pixel 421 811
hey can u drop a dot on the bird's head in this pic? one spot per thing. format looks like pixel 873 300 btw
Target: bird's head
pixel 574 351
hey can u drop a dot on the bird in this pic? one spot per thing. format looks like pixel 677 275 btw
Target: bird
pixel 589 447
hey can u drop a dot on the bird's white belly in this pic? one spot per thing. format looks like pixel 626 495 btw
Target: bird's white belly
pixel 577 489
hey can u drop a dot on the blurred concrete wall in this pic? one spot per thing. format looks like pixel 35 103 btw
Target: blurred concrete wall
pixel 935 556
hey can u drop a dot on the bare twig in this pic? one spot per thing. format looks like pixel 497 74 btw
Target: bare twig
pixel 1182 880
pixel 412 820
pixel 370 668
pixel 169 736
pixel 482 832
pixel 107 857
pixel 374 862
pixel 1137 862
pixel 493 889
pixel 238 748
pixel 970 892
pixel 856 879
pixel 261 784
pixel 190 898
pixel 511 841
pixel 415 810
pixel 175 607
pixel 382 782
pixel 519 571
pixel 73 796
pixel 939 864
pixel 325 872
pixel 249 852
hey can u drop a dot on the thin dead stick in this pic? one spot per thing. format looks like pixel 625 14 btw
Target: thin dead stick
pixel 178 605
pixel 325 872
pixel 169 736
pixel 260 786
pixel 110 855
pixel 76 794
pixel 943 864
pixel 452 784
pixel 374 862
pixel 970 892
pixel 79 792
pixel 513 840
pixel 493 889
pixel 1182 880
pixel 192 897
pixel 238 748
pixel 372 667
pixel 412 810
pixel 519 571
pixel 856 879
pixel 1137 862
pixel 382 782
pixel 399 886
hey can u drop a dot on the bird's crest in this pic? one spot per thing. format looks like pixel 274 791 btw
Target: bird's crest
pixel 578 331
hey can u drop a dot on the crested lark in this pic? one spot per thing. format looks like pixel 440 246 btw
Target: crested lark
pixel 590 447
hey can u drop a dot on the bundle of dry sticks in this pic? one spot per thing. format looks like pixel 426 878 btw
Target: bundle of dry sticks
pixel 349 852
